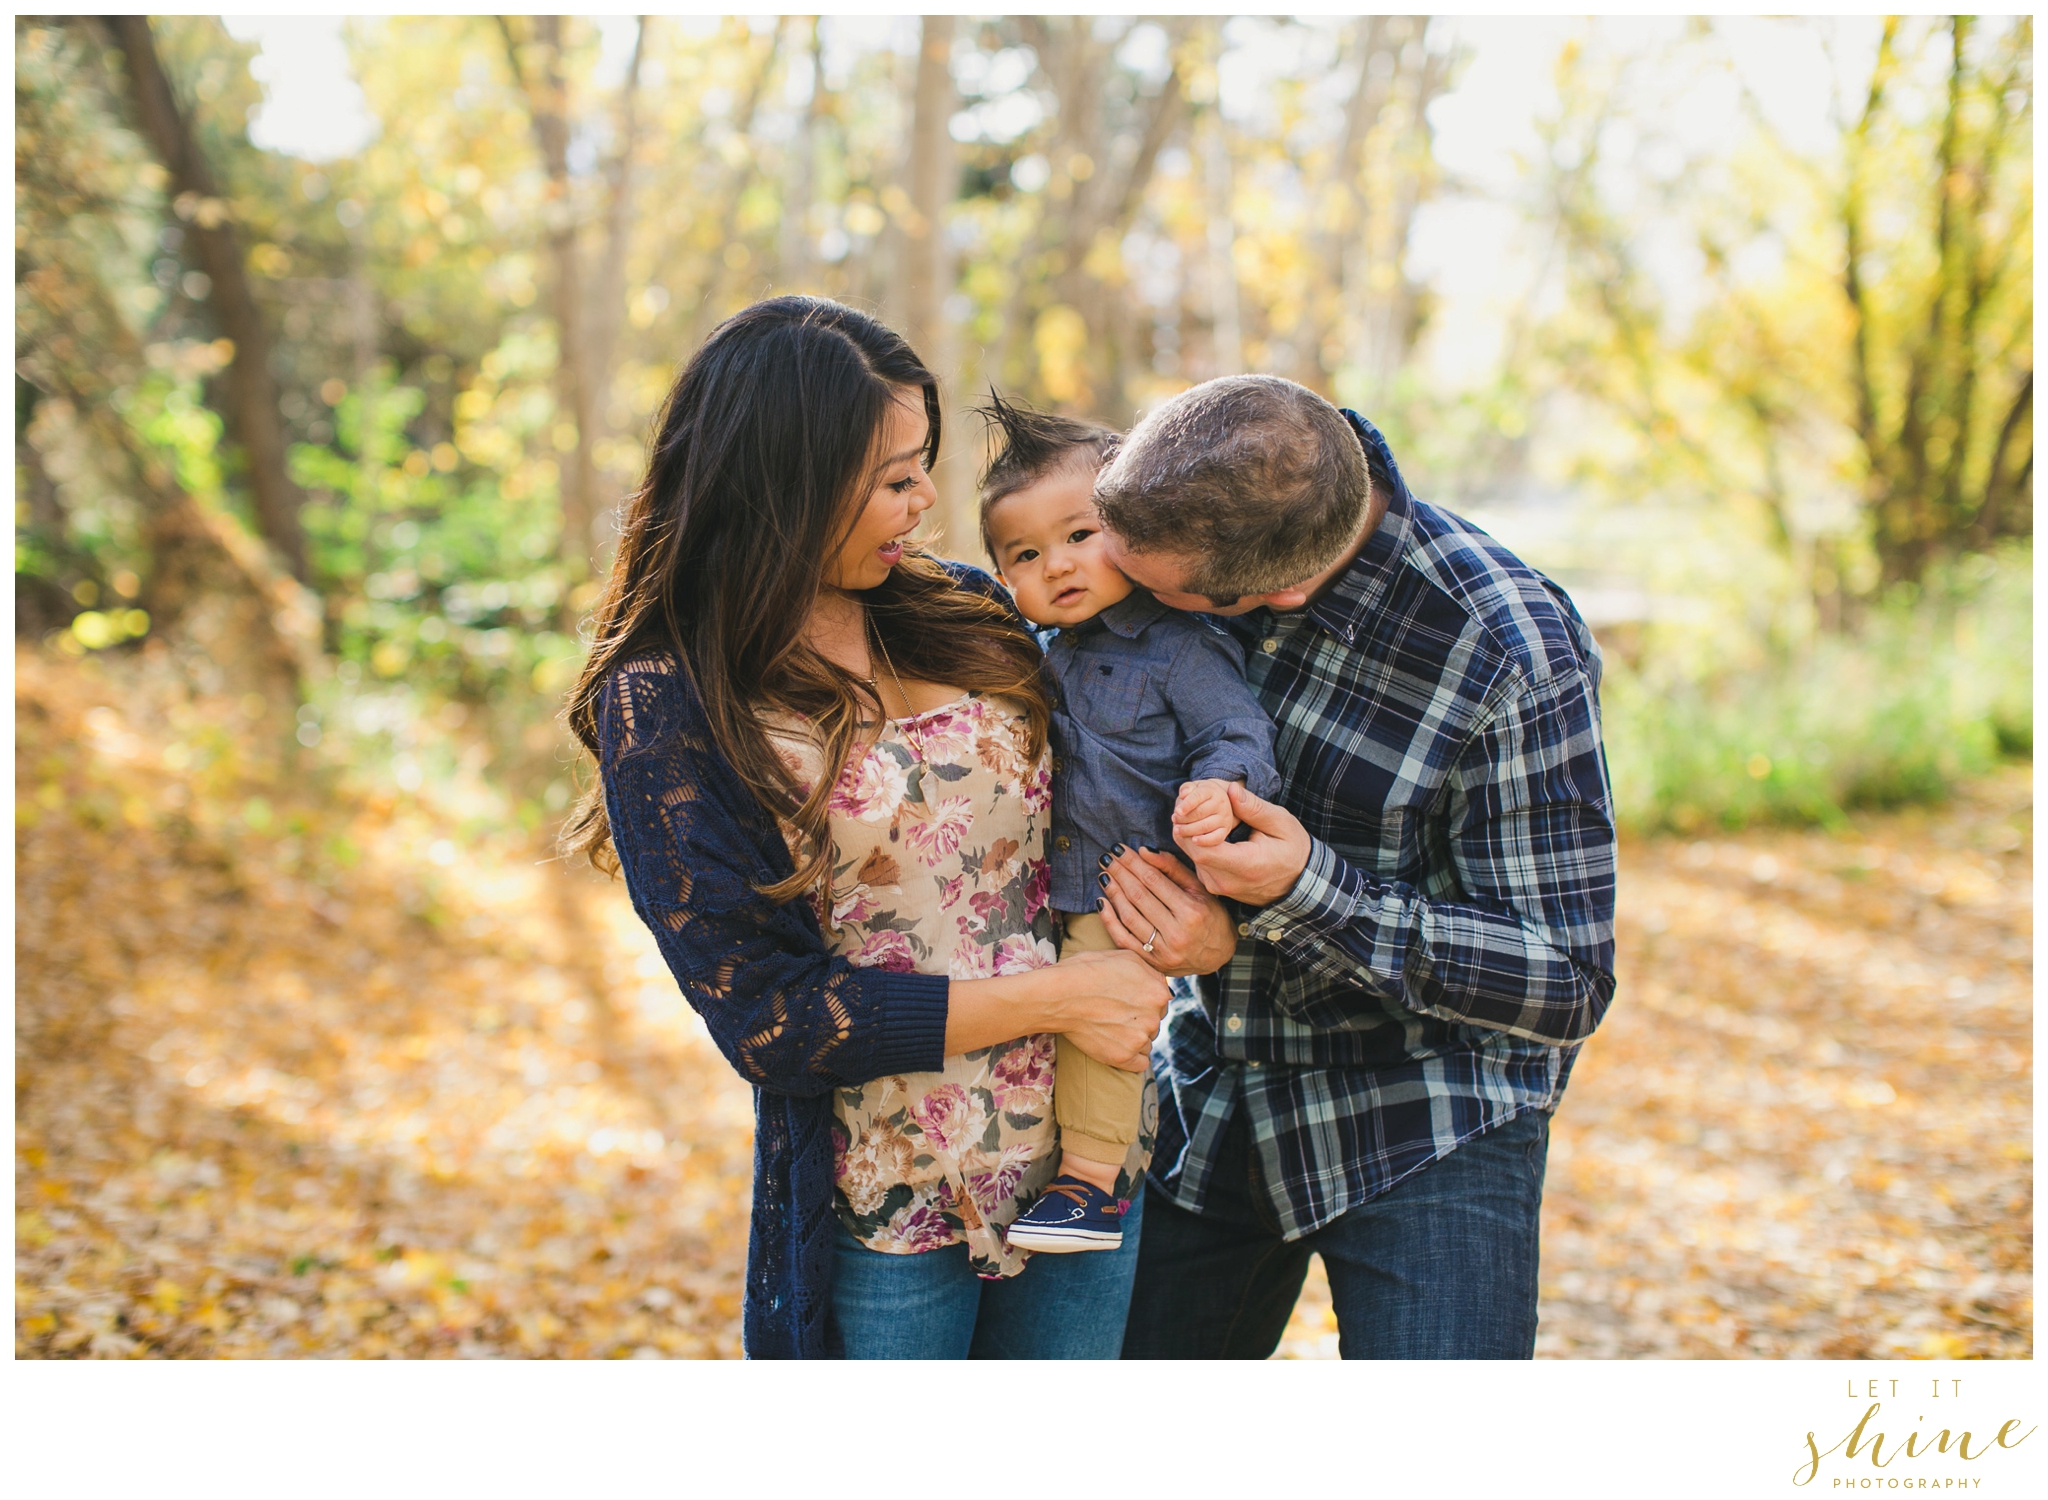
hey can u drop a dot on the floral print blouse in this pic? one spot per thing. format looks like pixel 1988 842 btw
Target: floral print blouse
pixel 939 867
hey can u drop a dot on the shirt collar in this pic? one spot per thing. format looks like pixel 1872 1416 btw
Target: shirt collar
pixel 1129 616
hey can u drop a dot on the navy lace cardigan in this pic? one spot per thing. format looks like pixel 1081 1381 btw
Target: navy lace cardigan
pixel 796 1020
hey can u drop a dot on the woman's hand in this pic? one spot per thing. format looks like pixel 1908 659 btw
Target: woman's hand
pixel 1110 1006
pixel 1152 898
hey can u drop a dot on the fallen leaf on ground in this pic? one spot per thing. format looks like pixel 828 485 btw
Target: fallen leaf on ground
pixel 355 1085
pixel 1804 1129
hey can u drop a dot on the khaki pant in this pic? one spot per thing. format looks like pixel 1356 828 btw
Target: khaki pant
pixel 1096 1105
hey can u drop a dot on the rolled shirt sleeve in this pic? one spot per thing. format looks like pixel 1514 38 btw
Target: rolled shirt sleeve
pixel 1527 946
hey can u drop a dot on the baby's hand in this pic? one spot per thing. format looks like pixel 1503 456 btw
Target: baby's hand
pixel 1202 815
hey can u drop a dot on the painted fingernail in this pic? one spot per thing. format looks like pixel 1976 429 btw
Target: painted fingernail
pixel 1104 861
pixel 1117 850
pixel 1103 881
pixel 1101 905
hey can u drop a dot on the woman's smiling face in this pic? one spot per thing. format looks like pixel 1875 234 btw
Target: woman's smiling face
pixel 899 493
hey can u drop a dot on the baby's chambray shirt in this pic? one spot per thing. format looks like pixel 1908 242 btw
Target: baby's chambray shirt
pixel 1144 697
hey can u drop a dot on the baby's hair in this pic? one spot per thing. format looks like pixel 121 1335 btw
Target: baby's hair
pixel 1034 444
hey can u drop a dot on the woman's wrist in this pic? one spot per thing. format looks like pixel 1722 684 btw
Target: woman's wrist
pixel 983 1012
pixel 1034 998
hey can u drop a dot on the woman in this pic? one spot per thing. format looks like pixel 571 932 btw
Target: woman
pixel 867 943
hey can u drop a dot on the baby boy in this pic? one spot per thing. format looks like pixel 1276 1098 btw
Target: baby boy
pixel 1144 699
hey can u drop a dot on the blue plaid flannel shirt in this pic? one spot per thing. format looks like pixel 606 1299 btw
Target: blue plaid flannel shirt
pixel 1450 942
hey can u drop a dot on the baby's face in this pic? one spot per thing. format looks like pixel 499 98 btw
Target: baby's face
pixel 1048 547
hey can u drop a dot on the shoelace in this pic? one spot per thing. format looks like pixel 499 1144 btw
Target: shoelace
pixel 1079 1195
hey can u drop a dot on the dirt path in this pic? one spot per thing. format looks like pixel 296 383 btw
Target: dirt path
pixel 325 1078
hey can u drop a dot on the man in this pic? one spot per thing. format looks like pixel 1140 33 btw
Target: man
pixel 1411 945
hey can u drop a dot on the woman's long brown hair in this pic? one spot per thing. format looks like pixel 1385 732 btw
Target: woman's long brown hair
pixel 763 458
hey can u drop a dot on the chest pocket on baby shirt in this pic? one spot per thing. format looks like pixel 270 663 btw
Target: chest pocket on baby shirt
pixel 1113 699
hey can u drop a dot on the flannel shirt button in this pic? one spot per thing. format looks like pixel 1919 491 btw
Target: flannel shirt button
pixel 1063 843
pixel 1270 644
pixel 1235 1023
pixel 1254 1065
pixel 1273 934
pixel 1244 929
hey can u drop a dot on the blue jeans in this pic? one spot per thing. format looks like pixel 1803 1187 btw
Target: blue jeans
pixel 931 1306
pixel 1441 1266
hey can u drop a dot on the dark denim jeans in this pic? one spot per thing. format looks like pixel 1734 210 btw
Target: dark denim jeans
pixel 931 1306
pixel 1442 1266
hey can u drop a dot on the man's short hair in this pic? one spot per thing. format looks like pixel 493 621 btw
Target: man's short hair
pixel 1258 482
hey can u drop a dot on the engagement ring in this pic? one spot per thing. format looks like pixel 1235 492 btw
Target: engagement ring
pixel 1151 940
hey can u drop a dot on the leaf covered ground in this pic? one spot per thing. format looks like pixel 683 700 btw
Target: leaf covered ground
pixel 346 1085
pixel 1805 1128
pixel 305 1069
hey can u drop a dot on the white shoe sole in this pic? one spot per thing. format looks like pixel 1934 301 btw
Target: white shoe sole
pixel 1065 1241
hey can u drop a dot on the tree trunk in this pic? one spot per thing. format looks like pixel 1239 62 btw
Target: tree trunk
pixel 798 264
pixel 1086 202
pixel 1344 213
pixel 723 197
pixel 361 297
pixel 925 273
pixel 923 276
pixel 1227 333
pixel 608 286
pixel 252 414
pixel 1923 452
pixel 586 310
pixel 1399 310
pixel 209 581
pixel 2006 489
pixel 541 80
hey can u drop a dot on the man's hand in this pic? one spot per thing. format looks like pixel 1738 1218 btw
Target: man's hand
pixel 1262 868
pixel 1201 813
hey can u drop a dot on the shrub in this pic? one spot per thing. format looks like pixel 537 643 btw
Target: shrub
pixel 1934 686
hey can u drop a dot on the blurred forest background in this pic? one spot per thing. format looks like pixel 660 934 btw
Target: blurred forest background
pixel 317 441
